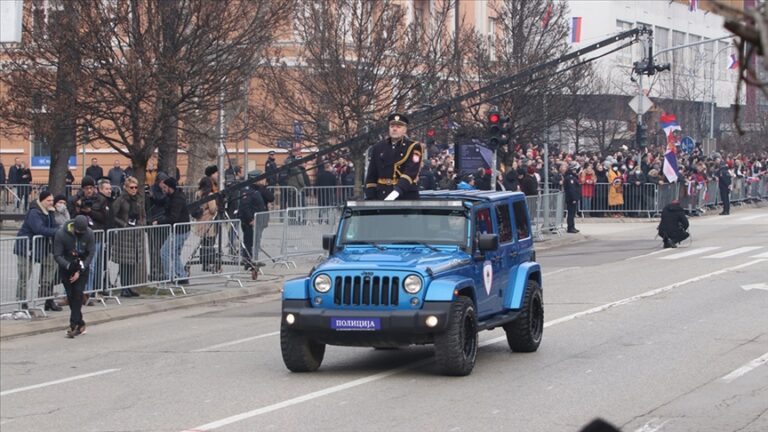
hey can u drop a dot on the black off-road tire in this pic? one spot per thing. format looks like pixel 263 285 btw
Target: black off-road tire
pixel 524 334
pixel 300 354
pixel 456 348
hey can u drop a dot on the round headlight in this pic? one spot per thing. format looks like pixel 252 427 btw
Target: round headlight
pixel 322 283
pixel 412 284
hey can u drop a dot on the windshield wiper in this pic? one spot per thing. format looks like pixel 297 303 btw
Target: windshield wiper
pixel 427 245
pixel 362 242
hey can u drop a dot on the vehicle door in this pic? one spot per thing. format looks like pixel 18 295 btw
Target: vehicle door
pixel 523 232
pixel 486 264
pixel 505 260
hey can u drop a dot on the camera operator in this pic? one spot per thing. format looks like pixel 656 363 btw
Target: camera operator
pixel 73 249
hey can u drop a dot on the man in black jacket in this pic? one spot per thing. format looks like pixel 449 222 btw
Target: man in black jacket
pixel 74 249
pixel 724 184
pixel 175 213
pixel 673 227
pixel 253 216
pixel 572 189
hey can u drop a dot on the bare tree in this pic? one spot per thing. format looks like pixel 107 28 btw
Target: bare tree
pixel 521 35
pixel 353 63
pixel 147 64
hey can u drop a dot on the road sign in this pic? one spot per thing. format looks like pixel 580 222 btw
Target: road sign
pixel 688 144
pixel 636 103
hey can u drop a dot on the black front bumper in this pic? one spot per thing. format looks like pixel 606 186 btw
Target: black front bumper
pixel 398 327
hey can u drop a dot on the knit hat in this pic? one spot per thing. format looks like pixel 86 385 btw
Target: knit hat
pixel 171 183
pixel 88 181
pixel 59 197
pixel 81 224
pixel 211 170
pixel 44 195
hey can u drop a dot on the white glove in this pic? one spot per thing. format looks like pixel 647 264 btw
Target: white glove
pixel 392 196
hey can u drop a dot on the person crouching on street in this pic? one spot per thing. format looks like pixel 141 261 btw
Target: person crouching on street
pixel 673 227
pixel 73 249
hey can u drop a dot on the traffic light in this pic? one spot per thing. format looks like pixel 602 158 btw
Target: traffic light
pixel 498 129
pixel 640 136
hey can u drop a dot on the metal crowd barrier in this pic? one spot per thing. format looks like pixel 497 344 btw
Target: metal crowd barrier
pixel 201 250
pixel 14 253
pixel 133 257
pixel 325 196
pixel 284 234
pixel 547 212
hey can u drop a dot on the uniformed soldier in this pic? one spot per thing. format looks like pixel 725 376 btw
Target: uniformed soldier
pixel 393 171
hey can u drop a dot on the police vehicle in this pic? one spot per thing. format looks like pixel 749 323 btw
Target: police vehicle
pixel 432 271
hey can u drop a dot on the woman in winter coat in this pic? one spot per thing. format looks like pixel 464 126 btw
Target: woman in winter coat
pixel 601 190
pixel 587 179
pixel 615 190
pixel 127 245
pixel 206 232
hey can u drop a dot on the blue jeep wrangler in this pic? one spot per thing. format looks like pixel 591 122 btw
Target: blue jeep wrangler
pixel 432 271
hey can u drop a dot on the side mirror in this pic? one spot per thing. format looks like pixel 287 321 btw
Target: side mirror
pixel 328 241
pixel 488 242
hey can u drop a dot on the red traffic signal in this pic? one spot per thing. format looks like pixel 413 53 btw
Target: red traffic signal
pixel 430 133
pixel 494 118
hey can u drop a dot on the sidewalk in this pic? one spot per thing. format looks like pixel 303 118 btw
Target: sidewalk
pixel 200 292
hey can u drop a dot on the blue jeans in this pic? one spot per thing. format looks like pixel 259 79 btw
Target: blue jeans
pixel 95 270
pixel 175 241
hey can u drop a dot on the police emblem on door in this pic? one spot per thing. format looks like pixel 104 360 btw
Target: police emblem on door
pixel 487 276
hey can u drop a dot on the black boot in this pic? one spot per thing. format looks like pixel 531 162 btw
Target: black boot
pixel 51 305
pixel 133 293
pixel 126 293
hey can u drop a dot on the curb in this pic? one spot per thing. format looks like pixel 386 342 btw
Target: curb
pixel 102 315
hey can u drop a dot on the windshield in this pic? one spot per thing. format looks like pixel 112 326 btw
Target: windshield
pixel 405 226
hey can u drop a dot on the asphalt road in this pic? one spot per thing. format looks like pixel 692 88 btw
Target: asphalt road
pixel 649 339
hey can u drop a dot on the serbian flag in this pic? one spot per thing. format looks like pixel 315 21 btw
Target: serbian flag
pixel 669 125
pixel 733 62
pixel 575 29
pixel 547 16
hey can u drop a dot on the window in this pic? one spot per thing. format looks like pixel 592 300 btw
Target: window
pixel 45 15
pixel 492 38
pixel 723 60
pixel 623 56
pixel 678 56
pixel 505 223
pixel 521 220
pixel 483 221
pixel 694 56
pixel 640 50
pixel 661 40
pixel 708 53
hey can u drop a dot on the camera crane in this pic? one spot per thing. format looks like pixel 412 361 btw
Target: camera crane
pixel 428 115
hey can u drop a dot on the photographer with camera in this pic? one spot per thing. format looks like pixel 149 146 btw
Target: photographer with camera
pixel 127 246
pixel 73 249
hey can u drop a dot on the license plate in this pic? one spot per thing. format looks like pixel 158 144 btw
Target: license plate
pixel 356 324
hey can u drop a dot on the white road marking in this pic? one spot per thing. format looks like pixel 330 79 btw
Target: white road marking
pixel 558 271
pixel 648 254
pixel 763 359
pixel 235 342
pixel 732 252
pixel 762 255
pixel 693 252
pixel 61 381
pixel 749 218
pixel 653 425
pixel 381 375
pixel 760 286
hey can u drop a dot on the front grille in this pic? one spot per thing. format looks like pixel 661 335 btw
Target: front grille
pixel 366 290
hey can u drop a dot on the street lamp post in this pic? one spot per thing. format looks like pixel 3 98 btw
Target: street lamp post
pixel 712 93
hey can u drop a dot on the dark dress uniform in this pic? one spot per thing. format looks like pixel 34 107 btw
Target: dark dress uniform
pixel 724 184
pixel 394 166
